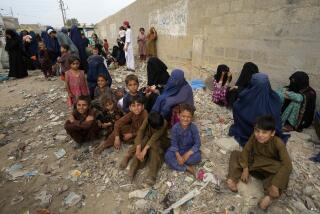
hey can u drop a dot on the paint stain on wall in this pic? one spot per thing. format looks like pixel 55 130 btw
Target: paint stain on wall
pixel 171 20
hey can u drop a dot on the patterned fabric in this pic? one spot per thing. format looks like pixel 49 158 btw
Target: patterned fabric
pixel 219 93
pixel 292 112
pixel 77 84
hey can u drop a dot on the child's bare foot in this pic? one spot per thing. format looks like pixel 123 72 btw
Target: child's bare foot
pixel 232 185
pixel 191 170
pixel 265 202
pixel 98 150
pixel 124 162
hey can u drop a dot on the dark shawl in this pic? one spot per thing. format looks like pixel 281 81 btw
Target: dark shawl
pixel 157 72
pixel 243 81
pixel 17 66
pixel 177 91
pixel 76 38
pixel 299 83
pixel 258 99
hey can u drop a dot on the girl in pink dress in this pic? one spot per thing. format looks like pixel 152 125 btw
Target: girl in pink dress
pixel 76 83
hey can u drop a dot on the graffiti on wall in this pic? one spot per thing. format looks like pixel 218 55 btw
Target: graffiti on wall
pixel 171 20
pixel 113 30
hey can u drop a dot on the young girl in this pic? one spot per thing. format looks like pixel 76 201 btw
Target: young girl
pixel 109 115
pixel 151 42
pixel 44 60
pixel 221 82
pixel 76 83
pixel 63 60
pixel 142 44
pixel 102 90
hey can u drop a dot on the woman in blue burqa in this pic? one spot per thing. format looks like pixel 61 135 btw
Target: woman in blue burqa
pixel 176 91
pixel 52 44
pixel 258 99
pixel 76 38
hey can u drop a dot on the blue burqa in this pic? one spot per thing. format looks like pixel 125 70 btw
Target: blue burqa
pixel 76 38
pixel 177 91
pixel 34 44
pixel 257 100
pixel 52 46
pixel 96 66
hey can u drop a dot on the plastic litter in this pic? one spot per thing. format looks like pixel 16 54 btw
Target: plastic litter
pixel 60 153
pixel 197 84
pixel 139 193
pixel 72 199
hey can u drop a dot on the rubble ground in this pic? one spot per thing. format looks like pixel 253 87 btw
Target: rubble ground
pixel 41 172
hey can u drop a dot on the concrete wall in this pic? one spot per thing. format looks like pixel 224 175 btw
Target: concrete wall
pixel 280 36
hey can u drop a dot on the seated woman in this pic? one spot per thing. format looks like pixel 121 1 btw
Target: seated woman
pixel 157 79
pixel 243 81
pixel 256 100
pixel 298 103
pixel 177 91
pixel 81 125
pixel 221 81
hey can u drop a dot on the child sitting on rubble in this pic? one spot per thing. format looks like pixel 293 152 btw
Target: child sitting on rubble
pixel 108 116
pixel 149 147
pixel 184 151
pixel 96 66
pixel 265 156
pixel 126 127
pixel 221 81
pixel 102 91
pixel 81 125
pixel 75 79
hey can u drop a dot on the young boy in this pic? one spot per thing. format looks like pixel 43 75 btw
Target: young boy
pixel 81 125
pixel 64 59
pixel 96 66
pixel 184 151
pixel 264 155
pixel 126 127
pixel 149 147
pixel 132 84
pixel 44 60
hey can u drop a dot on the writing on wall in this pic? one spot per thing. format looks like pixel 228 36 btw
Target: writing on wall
pixel 113 30
pixel 171 20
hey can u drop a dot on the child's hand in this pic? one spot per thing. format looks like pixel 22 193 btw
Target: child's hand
pixel 138 151
pixel 179 159
pixel 117 143
pixel 245 175
pixel 187 155
pixel 71 119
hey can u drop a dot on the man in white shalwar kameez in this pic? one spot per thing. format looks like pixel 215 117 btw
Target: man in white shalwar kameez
pixel 128 47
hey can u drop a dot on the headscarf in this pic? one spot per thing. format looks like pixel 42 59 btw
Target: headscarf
pixel 65 39
pixel 14 36
pixel 298 81
pixel 247 71
pixel 64 30
pixel 258 99
pixel 77 40
pixel 177 91
pixel 220 69
pixel 157 72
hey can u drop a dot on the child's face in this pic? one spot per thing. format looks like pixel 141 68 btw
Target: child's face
pixel 108 106
pixel 136 108
pixel 263 136
pixel 75 65
pixel 185 118
pixel 42 46
pixel 101 82
pixel 62 50
pixel 82 106
pixel 133 86
pixel 95 51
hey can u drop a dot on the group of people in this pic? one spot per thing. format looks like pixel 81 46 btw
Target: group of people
pixel 143 116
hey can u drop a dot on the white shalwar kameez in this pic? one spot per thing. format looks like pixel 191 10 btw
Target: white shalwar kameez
pixel 129 52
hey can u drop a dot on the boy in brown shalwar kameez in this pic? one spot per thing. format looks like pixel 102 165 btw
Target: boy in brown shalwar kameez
pixel 264 155
pixel 126 127
pixel 149 147
pixel 81 125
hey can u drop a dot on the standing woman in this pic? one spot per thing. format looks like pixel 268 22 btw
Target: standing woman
pixel 151 42
pixel 142 44
pixel 77 39
pixel 128 48
pixel 13 46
